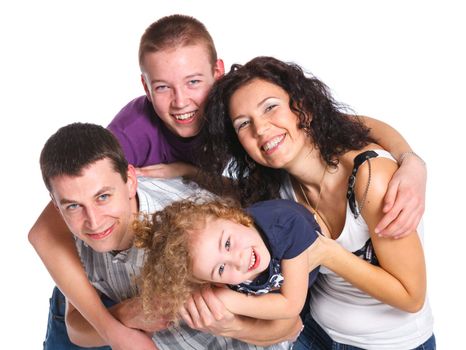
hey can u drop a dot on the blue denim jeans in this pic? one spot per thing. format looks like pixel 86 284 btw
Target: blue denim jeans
pixel 56 337
pixel 313 337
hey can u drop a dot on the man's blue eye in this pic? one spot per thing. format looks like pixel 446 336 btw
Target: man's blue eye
pixel 72 207
pixel 103 197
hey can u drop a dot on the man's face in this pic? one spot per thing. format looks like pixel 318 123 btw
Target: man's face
pixel 177 82
pixel 98 206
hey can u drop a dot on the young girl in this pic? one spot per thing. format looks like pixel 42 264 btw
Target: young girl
pixel 254 251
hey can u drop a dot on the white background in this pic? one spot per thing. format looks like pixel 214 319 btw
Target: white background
pixel 399 61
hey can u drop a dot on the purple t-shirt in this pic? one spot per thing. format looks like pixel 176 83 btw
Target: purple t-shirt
pixel 146 140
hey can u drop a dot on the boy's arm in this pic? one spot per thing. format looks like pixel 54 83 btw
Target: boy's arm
pixel 83 334
pixel 287 303
pixel 405 198
pixel 55 245
pixel 168 171
pixel 204 311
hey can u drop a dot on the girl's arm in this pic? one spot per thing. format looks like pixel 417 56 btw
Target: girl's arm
pixel 400 280
pixel 286 304
pixel 55 245
pixel 405 198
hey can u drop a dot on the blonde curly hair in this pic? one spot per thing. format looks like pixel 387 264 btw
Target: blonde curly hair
pixel 166 279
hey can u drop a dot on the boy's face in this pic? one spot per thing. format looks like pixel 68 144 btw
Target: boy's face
pixel 98 205
pixel 177 82
pixel 227 252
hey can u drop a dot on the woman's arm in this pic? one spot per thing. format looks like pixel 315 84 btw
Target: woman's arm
pixel 400 280
pixel 271 306
pixel 205 312
pixel 55 245
pixel 405 198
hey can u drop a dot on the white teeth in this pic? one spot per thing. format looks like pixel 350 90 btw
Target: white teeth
pixel 253 259
pixel 184 116
pixel 273 143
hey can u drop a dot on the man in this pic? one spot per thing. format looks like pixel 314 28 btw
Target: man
pixel 98 196
pixel 179 65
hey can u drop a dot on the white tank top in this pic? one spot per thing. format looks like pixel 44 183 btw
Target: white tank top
pixel 351 316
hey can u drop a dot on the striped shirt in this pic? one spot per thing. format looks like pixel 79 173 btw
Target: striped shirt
pixel 114 274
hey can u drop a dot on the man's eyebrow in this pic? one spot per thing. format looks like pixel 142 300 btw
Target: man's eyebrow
pixel 98 193
pixel 103 190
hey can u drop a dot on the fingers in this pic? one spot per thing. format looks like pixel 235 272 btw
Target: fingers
pixel 400 222
pixel 390 196
pixel 185 315
pixel 214 304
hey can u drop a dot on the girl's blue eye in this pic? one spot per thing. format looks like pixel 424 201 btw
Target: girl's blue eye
pixel 227 244
pixel 221 269
pixel 194 82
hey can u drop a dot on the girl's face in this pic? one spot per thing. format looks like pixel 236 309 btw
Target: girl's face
pixel 227 252
pixel 266 126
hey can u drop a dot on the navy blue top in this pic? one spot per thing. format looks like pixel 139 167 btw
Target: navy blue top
pixel 288 229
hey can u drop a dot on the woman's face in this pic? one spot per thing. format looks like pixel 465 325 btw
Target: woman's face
pixel 266 126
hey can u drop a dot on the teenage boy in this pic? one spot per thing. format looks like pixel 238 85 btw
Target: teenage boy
pixel 179 65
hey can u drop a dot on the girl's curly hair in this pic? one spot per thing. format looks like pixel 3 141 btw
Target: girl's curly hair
pixel 331 130
pixel 166 279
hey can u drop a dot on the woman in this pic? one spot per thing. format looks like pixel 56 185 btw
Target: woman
pixel 286 136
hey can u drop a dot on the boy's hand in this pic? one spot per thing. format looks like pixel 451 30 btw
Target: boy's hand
pixel 404 200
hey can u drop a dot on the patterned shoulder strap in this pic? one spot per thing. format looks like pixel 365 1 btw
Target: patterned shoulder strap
pixel 358 160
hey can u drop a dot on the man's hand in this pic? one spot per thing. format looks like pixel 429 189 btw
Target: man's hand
pixel 130 313
pixel 405 199
pixel 168 171
pixel 124 338
pixel 206 313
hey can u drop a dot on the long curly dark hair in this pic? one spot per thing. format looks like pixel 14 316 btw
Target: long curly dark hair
pixel 331 130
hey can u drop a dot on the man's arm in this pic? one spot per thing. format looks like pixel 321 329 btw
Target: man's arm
pixel 83 334
pixel 205 312
pixel 404 201
pixel 55 245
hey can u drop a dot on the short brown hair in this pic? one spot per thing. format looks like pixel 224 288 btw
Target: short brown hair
pixel 166 278
pixel 76 146
pixel 173 31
